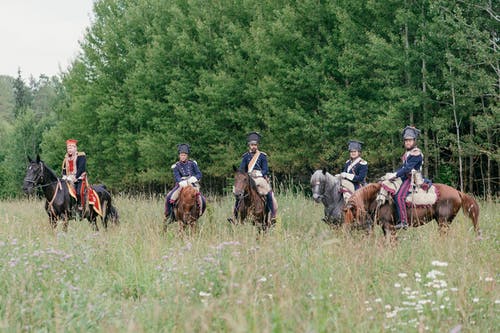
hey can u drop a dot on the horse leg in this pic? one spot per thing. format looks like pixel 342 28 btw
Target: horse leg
pixel 444 226
pixel 104 218
pixel 93 220
pixel 65 222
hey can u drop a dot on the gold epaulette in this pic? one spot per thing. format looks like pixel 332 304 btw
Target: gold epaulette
pixel 363 162
pixel 415 151
pixel 81 153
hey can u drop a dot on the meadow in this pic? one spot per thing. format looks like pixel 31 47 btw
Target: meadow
pixel 301 277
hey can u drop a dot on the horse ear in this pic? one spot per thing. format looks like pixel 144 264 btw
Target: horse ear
pixel 29 158
pixel 324 171
pixel 235 168
pixel 37 158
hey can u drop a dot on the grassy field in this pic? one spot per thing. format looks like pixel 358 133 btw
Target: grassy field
pixel 301 277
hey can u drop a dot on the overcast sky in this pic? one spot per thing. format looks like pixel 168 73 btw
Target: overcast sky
pixel 41 36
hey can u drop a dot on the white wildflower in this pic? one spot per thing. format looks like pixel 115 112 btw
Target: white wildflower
pixel 439 263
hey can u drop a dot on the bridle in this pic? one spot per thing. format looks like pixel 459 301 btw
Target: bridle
pixel 321 185
pixel 40 178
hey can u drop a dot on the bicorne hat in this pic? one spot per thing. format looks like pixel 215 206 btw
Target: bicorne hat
pixel 183 148
pixel 410 132
pixel 71 142
pixel 253 138
pixel 355 145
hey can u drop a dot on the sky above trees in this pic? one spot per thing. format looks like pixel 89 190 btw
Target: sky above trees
pixel 41 37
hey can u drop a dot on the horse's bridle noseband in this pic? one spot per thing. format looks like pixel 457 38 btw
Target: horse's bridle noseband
pixel 39 178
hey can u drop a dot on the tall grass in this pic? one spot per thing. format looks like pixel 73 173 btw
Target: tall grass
pixel 302 276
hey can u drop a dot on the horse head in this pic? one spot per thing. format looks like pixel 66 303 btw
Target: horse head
pixel 357 208
pixel 187 205
pixel 34 174
pixel 318 181
pixel 241 184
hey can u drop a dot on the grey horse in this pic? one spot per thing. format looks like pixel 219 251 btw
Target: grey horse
pixel 326 189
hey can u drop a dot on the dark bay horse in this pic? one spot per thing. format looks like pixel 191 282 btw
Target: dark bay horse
pixel 326 189
pixel 362 206
pixel 59 203
pixel 250 204
pixel 189 208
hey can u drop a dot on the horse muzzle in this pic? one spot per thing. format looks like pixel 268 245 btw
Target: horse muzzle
pixel 28 188
pixel 239 195
pixel 317 197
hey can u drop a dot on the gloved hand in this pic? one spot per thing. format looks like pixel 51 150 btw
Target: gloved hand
pixel 71 178
pixel 346 175
pixel 183 183
pixel 64 177
pixel 192 180
pixel 391 176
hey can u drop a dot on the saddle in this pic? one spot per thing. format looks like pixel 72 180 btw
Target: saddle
pixel 421 193
pixel 92 196
pixel 420 197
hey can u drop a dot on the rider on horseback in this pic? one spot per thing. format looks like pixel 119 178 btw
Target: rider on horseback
pixel 186 172
pixel 355 170
pixel 412 162
pixel 254 162
pixel 74 168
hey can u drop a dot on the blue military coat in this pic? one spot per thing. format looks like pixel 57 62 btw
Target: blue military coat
pixel 184 170
pixel 260 165
pixel 358 168
pixel 412 160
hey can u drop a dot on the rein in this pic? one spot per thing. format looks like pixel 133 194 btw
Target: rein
pixel 50 204
pixel 42 185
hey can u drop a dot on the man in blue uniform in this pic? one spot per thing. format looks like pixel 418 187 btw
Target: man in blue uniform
pixel 254 162
pixel 355 170
pixel 412 160
pixel 186 172
pixel 74 168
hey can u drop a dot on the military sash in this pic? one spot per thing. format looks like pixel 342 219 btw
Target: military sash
pixel 356 161
pixel 253 161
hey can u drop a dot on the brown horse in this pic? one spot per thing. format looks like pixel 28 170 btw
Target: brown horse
pixel 250 204
pixel 187 210
pixel 362 208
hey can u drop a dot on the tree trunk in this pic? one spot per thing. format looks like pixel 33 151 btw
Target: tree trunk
pixel 424 111
pixel 457 128
pixel 470 172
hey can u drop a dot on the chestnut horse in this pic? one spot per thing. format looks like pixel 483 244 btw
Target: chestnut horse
pixel 250 204
pixel 362 208
pixel 187 210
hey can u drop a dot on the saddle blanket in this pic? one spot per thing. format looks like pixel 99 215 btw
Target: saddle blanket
pixel 420 197
pixel 93 198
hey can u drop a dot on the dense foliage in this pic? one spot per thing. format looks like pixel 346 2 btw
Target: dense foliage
pixel 309 75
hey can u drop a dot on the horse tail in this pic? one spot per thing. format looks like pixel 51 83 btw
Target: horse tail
pixel 470 208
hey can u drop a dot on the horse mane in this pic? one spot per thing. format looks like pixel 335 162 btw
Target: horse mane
pixel 253 184
pixel 358 203
pixel 49 171
pixel 332 182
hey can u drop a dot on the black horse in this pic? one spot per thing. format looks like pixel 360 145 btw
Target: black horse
pixel 59 204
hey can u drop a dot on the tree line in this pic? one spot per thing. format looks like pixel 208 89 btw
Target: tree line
pixel 308 75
